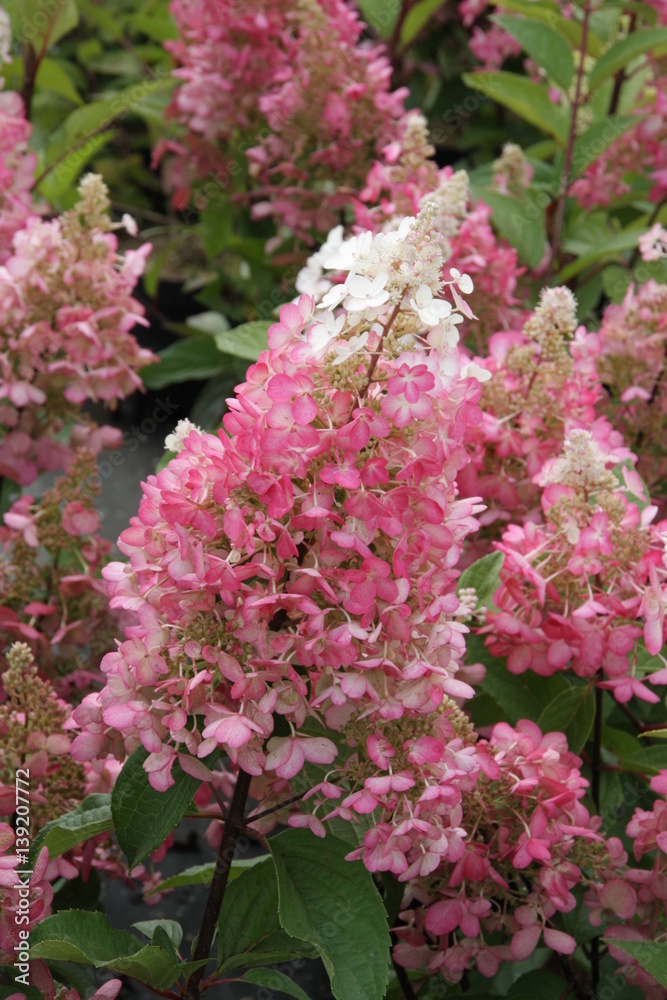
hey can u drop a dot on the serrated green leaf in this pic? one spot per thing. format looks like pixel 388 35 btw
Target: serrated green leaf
pixel 547 47
pixel 249 931
pixel 195 358
pixel 658 734
pixel 333 904
pixel 651 955
pixel 143 818
pixel 599 137
pixel 572 712
pixel 246 341
pixel 90 818
pixel 625 51
pixel 484 576
pixel 88 937
pixel 526 99
pixel 274 980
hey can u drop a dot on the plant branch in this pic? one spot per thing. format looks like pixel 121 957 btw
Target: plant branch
pixel 233 826
pixel 569 152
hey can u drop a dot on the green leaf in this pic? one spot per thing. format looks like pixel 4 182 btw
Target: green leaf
pixel 521 223
pixel 333 904
pixel 379 15
pixel 86 130
pixel 246 341
pixel 274 980
pixel 417 18
pixel 159 28
pixel 82 936
pixel 143 818
pixel 526 99
pixel 658 734
pixel 484 576
pixel 54 78
pixel 195 358
pixel 549 13
pixel 547 47
pixel 649 761
pixel 651 955
pixel 572 712
pixel 599 137
pixel 210 323
pixel 171 928
pixel 622 53
pixel 611 247
pixel 90 818
pixel 249 931
pixel 203 874
pixel 41 24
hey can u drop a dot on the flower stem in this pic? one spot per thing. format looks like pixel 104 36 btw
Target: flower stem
pixel 569 152
pixel 233 826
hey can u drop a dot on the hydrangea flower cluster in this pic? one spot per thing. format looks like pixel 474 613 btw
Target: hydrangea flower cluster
pixel 529 841
pixel 33 730
pixel 303 563
pixel 575 588
pixel 17 168
pixel 292 86
pixel 544 383
pixel 633 338
pixel 68 311
pixel 52 595
pixel 468 241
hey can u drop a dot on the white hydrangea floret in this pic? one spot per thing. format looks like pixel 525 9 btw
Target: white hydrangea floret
pixel 176 440
pixel 430 310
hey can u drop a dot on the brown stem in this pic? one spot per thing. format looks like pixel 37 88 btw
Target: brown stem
pixel 233 826
pixel 569 152
pixel 377 354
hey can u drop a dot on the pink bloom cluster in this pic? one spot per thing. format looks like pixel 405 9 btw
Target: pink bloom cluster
pixel 67 316
pixel 633 339
pixel 17 168
pixel 52 595
pixel 544 383
pixel 303 563
pixel 523 841
pixel 575 588
pixel 295 90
